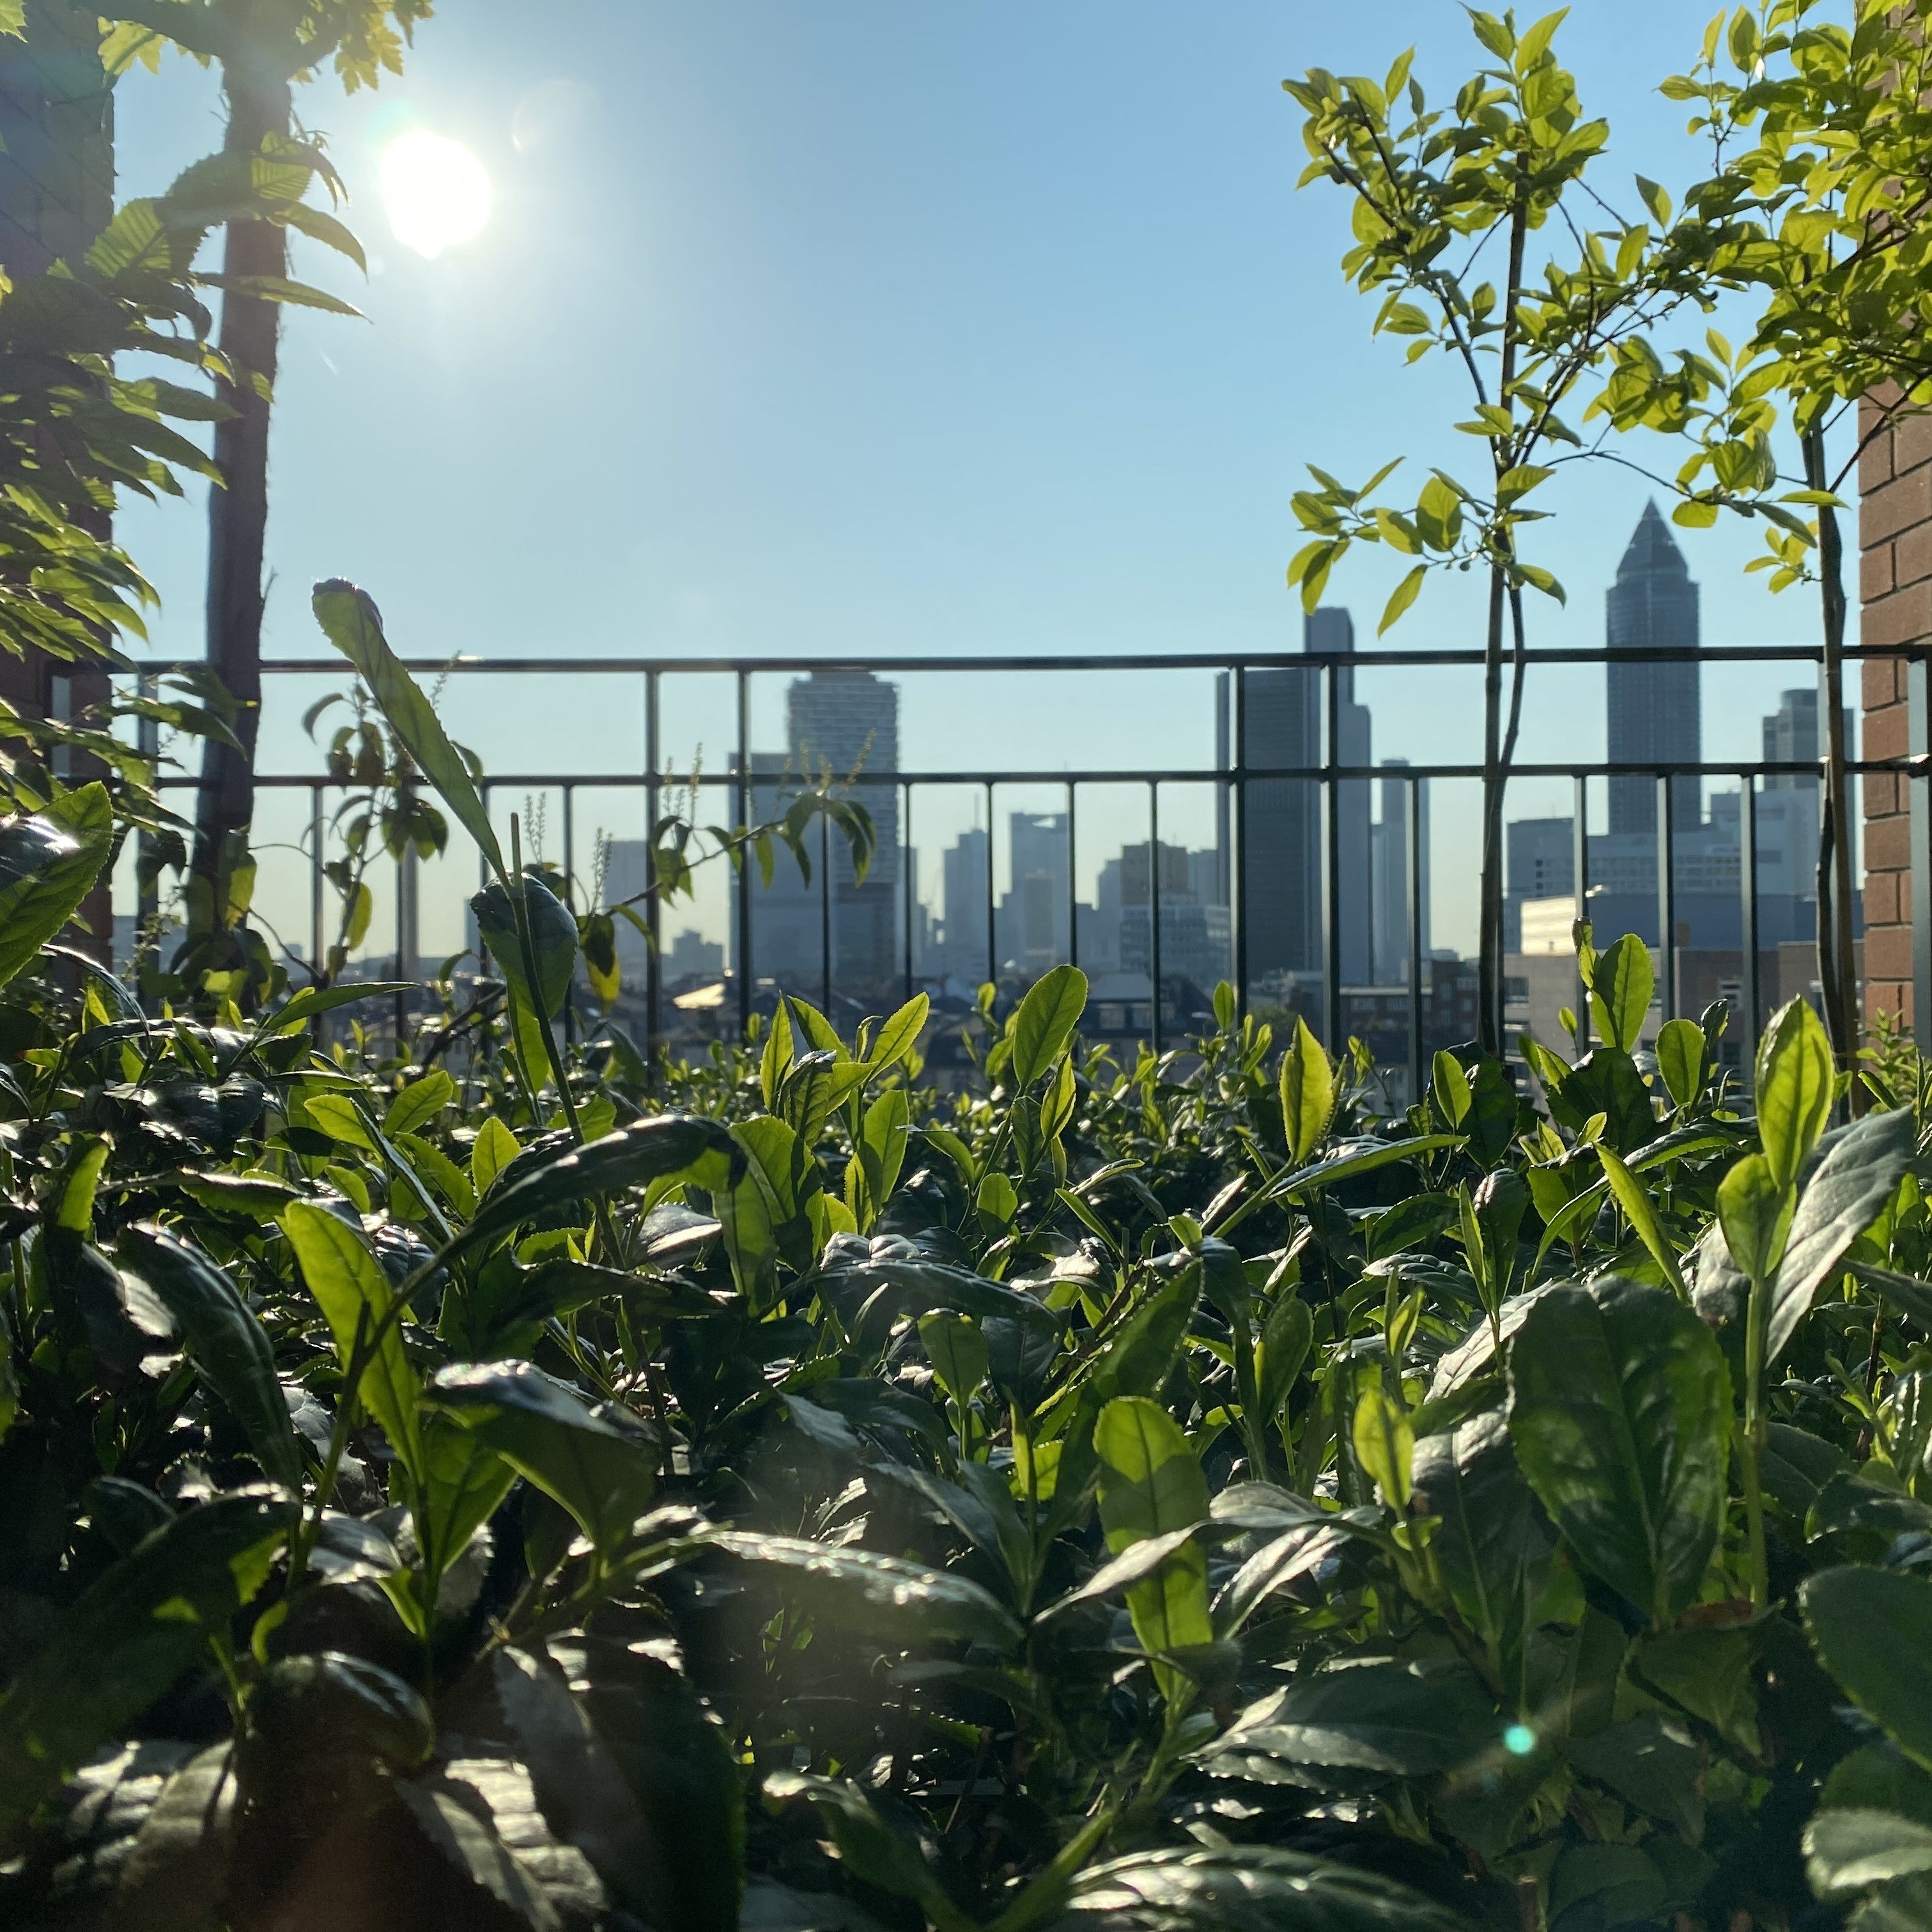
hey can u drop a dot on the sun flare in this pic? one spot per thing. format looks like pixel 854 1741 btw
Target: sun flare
pixel 436 192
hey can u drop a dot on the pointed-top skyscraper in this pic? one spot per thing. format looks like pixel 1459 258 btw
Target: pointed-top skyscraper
pixel 1655 716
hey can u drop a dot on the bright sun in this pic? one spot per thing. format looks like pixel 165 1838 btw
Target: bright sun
pixel 435 190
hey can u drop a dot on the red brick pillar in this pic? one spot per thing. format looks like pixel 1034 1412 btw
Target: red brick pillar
pixel 1895 596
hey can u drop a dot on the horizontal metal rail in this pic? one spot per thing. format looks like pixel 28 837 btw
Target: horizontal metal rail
pixel 1233 774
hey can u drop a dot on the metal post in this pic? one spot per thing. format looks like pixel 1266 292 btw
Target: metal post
pixel 825 916
pixel 1153 905
pixel 906 879
pixel 1747 918
pixel 315 880
pixel 1072 887
pixel 1239 737
pixel 992 941
pixel 569 885
pixel 745 967
pixel 1412 802
pixel 1666 899
pixel 653 965
pixel 1331 862
pixel 1579 873
pixel 1918 742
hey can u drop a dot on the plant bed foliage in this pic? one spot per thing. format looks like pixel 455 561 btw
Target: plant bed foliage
pixel 1180 1494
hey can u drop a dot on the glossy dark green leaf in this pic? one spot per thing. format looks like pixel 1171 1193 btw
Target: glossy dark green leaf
pixel 231 1348
pixel 132 1633
pixel 1497 1551
pixel 553 939
pixel 597 1462
pixel 352 624
pixel 886 1598
pixel 1851 1850
pixel 1873 1630
pixel 1859 1175
pixel 49 862
pixel 1381 1717
pixel 628 1158
pixel 868 1846
pixel 1621 1412
pixel 1245 1889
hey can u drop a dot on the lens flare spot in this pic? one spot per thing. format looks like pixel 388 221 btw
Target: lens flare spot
pixel 1520 1740
pixel 435 191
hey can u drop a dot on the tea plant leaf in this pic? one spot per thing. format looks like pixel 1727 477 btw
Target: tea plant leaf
pixel 886 1597
pixel 867 1845
pixel 1307 1092
pixel 231 1347
pixel 553 939
pixel 49 862
pixel 1848 1848
pixel 493 1149
pixel 665 1145
pixel 1681 1053
pixel 1622 982
pixel 355 1295
pixel 1795 1088
pixel 351 622
pixel 1620 1409
pixel 596 1462
pixel 1872 1628
pixel 1245 1889
pixel 131 1634
pixel 1151 1486
pixel 1396 1719
pixel 1857 1177
pixel 1045 1021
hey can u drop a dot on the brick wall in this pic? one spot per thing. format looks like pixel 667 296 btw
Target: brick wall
pixel 1895 597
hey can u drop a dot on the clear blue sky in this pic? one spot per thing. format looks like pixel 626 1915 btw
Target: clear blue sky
pixel 856 326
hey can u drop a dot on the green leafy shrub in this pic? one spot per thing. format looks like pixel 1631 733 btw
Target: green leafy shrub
pixel 522 1484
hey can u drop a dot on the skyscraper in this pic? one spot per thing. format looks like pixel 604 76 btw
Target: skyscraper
pixel 1391 875
pixel 965 886
pixel 1540 856
pixel 1281 725
pixel 1655 711
pixel 838 723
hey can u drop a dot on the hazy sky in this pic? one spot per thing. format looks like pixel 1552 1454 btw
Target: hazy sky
pixel 862 327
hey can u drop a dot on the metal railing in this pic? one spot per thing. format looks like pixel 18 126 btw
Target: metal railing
pixel 1234 774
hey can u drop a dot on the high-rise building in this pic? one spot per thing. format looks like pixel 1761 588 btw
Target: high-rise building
pixel 840 724
pixel 1391 875
pixel 1032 925
pixel 1540 857
pixel 965 887
pixel 1653 713
pixel 1281 725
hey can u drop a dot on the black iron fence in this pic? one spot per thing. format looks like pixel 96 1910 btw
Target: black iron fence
pixel 1248 777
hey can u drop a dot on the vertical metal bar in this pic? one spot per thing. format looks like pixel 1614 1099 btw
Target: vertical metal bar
pixel 569 891
pixel 745 962
pixel 1748 921
pixel 316 879
pixel 1073 887
pixel 1918 741
pixel 1239 740
pixel 1153 906
pixel 825 916
pixel 653 965
pixel 1579 877
pixel 992 940
pixel 906 880
pixel 1667 897
pixel 1412 802
pixel 148 899
pixel 1331 861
